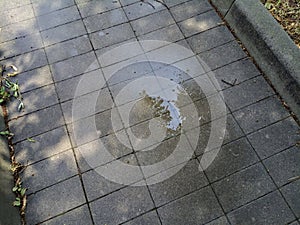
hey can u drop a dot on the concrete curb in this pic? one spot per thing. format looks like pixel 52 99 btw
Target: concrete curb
pixel 271 47
pixel 8 213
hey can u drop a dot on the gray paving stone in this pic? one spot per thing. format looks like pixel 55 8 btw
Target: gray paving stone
pixel 270 209
pixel 16 15
pixel 148 218
pixel 121 206
pixel 105 20
pixel 189 9
pixel 111 36
pixel 89 8
pixel 49 171
pixel 247 93
pixel 74 66
pixel 233 132
pixel 102 121
pixel 141 9
pixel 200 23
pixel 292 195
pixel 220 221
pixel 128 2
pixel 66 89
pixel 45 145
pixel 254 117
pixel 210 39
pixel 21 46
pixel 197 208
pixel 57 18
pixel 97 186
pixel 103 102
pixel 63 32
pixel 243 187
pixel 34 79
pixel 36 123
pixel 48 203
pixel 27 61
pixel 78 216
pixel 231 158
pixel 187 180
pixel 222 55
pixel 171 3
pixel 241 70
pixel 284 166
pixel 152 22
pixel 34 100
pixel 43 6
pixel 170 34
pixel 68 49
pixel 18 30
pixel 129 72
pixel 122 154
pixel 275 138
pixel 11 4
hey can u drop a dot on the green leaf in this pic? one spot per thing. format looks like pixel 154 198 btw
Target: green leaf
pixel 22 192
pixel 6 133
pixel 21 106
pixel 15 189
pixel 31 140
pixel 17 202
pixel 268 5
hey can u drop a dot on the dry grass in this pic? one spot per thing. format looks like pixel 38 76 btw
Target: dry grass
pixel 287 13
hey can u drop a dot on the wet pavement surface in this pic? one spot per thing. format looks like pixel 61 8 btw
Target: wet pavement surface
pixel 145 113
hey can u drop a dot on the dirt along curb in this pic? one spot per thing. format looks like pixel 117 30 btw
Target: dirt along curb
pixel 270 46
pixel 8 213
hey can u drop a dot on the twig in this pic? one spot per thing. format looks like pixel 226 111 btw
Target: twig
pixel 226 82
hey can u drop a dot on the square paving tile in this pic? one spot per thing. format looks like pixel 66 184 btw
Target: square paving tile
pixel 78 216
pixel 45 145
pixel 292 195
pixel 121 206
pixel 49 171
pixel 70 196
pixel 34 100
pixel 284 166
pixel 63 32
pixel 242 187
pixel 110 36
pixel 187 180
pixel 270 209
pixel 148 218
pixel 237 72
pixel 42 7
pixel 36 123
pixel 260 114
pixel 74 66
pixel 197 208
pixel 210 39
pixel 34 79
pixel 220 221
pixel 190 9
pixel 200 23
pixel 152 22
pixel 141 9
pixel 231 158
pixel 89 8
pixel 57 18
pixel 247 93
pixel 275 138
pixel 222 55
pixel 68 49
pixel 105 20
pixel 20 46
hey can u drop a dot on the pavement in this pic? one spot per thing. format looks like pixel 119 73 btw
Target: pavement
pixel 184 130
